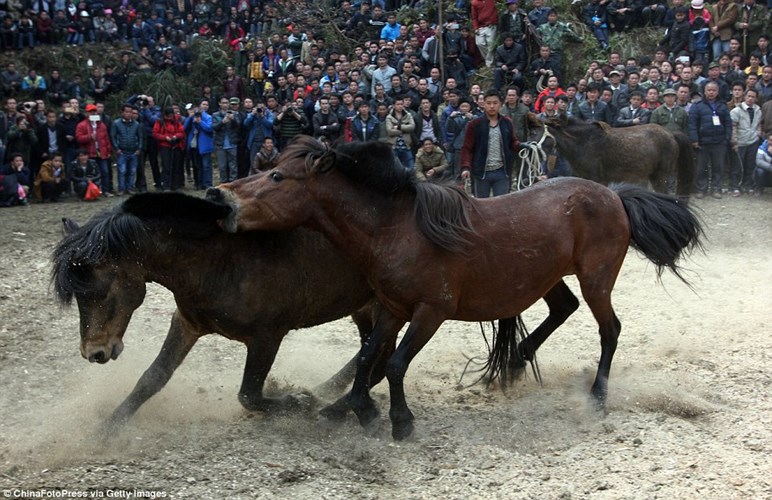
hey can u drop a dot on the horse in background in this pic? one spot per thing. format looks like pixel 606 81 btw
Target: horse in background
pixel 637 155
pixel 433 253
pixel 253 288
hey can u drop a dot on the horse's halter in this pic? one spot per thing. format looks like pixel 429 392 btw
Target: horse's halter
pixel 532 157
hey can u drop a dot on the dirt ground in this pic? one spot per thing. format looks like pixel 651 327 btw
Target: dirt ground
pixel 689 410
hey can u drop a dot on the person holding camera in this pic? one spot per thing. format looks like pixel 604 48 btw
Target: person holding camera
pixel 93 136
pixel 200 142
pixel 169 134
pixel 290 122
pixel 22 137
pixel 258 124
pixel 227 132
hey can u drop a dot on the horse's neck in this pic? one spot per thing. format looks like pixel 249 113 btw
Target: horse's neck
pixel 574 149
pixel 357 232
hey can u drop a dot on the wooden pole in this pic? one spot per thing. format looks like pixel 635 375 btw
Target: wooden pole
pixel 440 48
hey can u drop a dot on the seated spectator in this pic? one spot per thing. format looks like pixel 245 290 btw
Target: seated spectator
pixel 678 36
pixel 265 158
pixel 14 182
pixel 8 33
pixel 763 175
pixel 552 90
pixel 26 32
pixel 34 85
pixel 44 28
pixel 50 181
pixel 430 161
pixel 595 17
pixel 622 15
pixel 509 60
pixel 653 12
pixel 84 170
pixel 633 114
pixel 22 137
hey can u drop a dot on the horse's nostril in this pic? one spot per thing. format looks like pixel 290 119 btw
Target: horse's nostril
pixel 214 194
pixel 97 357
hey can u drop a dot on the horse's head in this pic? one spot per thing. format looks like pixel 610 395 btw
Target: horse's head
pixel 280 198
pixel 106 291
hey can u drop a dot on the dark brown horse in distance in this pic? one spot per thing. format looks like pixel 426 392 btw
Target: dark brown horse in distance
pixel 432 253
pixel 639 154
pixel 253 288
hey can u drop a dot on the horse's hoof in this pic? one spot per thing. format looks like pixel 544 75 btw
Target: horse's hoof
pixel 335 412
pixel 367 415
pixel 401 430
pixel 301 402
pixel 110 428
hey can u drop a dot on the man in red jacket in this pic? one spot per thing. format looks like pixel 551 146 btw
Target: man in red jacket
pixel 485 19
pixel 92 135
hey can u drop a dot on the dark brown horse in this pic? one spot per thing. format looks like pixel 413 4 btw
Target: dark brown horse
pixel 432 253
pixel 251 287
pixel 639 154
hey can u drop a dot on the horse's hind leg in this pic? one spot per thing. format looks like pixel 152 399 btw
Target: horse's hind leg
pixel 562 303
pixel 180 339
pixel 364 320
pixel 598 297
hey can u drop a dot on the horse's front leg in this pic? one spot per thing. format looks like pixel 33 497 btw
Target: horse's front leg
pixel 372 357
pixel 179 341
pixel 261 353
pixel 423 325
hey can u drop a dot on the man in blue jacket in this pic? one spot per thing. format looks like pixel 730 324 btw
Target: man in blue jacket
pixel 200 143
pixel 710 131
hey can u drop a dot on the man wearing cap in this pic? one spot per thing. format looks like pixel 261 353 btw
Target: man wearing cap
pixel 513 20
pixel 670 115
pixel 227 126
pixel 92 135
pixel 714 75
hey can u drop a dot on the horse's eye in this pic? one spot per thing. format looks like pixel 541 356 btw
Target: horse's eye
pixel 277 177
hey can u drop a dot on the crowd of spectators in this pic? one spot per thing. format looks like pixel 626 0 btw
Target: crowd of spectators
pixel 410 85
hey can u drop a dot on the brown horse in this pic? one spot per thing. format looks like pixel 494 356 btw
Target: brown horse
pixel 432 253
pixel 253 288
pixel 639 154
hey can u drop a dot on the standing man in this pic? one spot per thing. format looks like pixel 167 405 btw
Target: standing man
pixel 746 126
pixel 485 18
pixel 226 126
pixel 670 115
pixel 710 130
pixel 489 150
pixel 552 35
pixel 128 137
pixel 92 135
pixel 200 143
pixel 750 25
pixel 593 109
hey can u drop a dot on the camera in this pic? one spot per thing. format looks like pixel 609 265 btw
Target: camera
pixel 230 112
pixel 142 101
pixel 197 114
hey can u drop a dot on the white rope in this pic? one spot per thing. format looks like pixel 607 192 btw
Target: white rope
pixel 532 156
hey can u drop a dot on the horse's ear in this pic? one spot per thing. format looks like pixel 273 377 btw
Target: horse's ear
pixel 69 226
pixel 534 120
pixel 605 127
pixel 325 162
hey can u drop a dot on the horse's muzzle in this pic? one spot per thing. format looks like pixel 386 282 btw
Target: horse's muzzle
pixel 217 195
pixel 102 354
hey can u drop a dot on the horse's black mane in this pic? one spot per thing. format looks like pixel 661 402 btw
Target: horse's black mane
pixel 441 210
pixel 120 232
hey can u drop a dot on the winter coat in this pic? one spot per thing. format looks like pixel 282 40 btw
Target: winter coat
pixel 88 141
pixel 701 127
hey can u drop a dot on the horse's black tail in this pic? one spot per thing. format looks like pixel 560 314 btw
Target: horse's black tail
pixel 663 227
pixel 505 360
pixel 685 165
